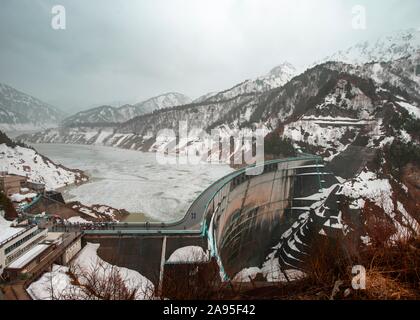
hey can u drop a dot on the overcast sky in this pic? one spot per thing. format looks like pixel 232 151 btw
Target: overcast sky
pixel 127 51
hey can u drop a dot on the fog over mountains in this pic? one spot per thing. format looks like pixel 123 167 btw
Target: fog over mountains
pixel 20 111
pixel 238 105
pixel 110 114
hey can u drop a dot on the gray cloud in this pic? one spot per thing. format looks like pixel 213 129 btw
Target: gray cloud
pixel 130 50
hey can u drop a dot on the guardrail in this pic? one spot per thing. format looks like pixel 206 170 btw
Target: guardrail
pixel 142 232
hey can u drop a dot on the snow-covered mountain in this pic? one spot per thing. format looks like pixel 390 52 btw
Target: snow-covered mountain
pixel 20 111
pixel 109 114
pixel 101 125
pixel 277 77
pixel 204 97
pixel 329 94
pixel 102 114
pixel 386 48
pixel 166 100
pixel 330 103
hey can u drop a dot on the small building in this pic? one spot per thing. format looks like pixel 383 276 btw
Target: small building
pixel 11 184
pixel 30 256
pixel 16 241
pixel 27 261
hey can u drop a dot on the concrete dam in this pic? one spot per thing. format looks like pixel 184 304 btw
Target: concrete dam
pixel 249 214
pixel 240 219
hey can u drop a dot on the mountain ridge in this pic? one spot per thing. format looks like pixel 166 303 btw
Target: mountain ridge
pixel 111 114
pixel 21 110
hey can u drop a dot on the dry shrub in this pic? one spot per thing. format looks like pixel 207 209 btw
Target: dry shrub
pixel 328 261
pixel 380 286
pixel 398 264
pixel 377 225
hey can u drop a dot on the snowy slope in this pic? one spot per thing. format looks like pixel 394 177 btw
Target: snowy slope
pixel 102 114
pixel 190 254
pixel 111 114
pixel 13 160
pixel 204 97
pixel 21 111
pixel 277 77
pixel 386 48
pixel 6 230
pixel 167 100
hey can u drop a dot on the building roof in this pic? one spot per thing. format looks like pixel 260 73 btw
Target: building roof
pixel 28 256
pixel 6 231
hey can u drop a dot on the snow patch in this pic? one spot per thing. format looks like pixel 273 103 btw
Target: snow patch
pixel 189 254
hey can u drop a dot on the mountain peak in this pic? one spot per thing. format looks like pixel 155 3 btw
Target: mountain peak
pixel 393 46
pixel 281 69
pixel 165 100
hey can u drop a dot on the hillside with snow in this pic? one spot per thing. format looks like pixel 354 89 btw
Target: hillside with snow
pixel 277 77
pixel 326 107
pixel 166 100
pixel 20 111
pixel 110 114
pixel 386 48
pixel 27 162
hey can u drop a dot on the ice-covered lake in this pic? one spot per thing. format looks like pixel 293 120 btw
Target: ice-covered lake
pixel 133 180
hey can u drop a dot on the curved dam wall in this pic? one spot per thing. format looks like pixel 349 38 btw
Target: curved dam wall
pixel 248 215
pixel 241 219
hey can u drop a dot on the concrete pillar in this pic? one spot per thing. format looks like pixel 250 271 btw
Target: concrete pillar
pixel 162 265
